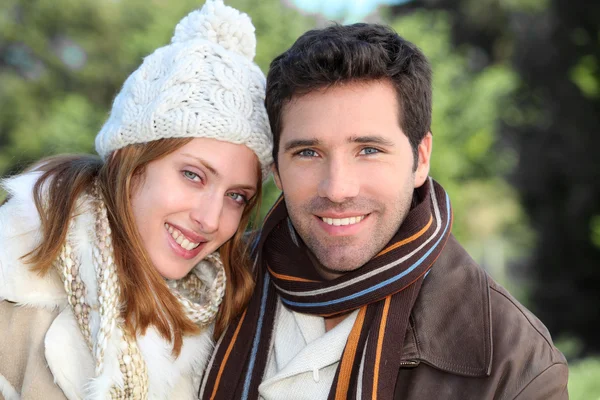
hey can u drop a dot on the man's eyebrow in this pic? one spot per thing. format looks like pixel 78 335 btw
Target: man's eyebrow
pixel 371 139
pixel 205 163
pixel 293 144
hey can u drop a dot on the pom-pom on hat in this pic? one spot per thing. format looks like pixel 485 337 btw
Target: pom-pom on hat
pixel 203 84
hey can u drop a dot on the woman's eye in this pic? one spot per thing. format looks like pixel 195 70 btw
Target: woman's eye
pixel 369 150
pixel 191 176
pixel 307 153
pixel 238 198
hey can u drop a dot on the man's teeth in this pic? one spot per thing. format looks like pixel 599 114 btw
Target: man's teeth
pixel 343 221
pixel 180 239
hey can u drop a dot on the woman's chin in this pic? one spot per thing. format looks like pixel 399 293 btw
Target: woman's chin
pixel 173 273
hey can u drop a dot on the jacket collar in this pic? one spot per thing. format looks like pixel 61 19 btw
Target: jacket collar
pixel 450 325
pixel 19 234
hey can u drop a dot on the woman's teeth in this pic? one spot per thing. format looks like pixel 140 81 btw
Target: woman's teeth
pixel 343 221
pixel 181 239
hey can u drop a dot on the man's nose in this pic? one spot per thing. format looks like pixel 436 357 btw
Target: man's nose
pixel 339 182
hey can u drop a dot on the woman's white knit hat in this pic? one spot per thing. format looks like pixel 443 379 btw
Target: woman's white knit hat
pixel 203 84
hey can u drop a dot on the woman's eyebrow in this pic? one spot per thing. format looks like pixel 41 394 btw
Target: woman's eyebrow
pixel 216 174
pixel 205 163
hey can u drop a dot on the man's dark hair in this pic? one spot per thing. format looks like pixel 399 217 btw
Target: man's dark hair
pixel 346 53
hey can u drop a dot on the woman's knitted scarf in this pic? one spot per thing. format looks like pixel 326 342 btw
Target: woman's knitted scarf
pixel 383 290
pixel 200 300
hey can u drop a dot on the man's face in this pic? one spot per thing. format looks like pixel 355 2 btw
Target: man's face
pixel 346 171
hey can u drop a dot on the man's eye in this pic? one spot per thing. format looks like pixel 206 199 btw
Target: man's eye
pixel 307 153
pixel 369 150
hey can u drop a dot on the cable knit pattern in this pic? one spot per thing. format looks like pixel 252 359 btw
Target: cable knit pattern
pixel 220 24
pixel 203 84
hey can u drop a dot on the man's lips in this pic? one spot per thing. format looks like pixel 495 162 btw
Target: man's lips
pixel 342 220
pixel 349 225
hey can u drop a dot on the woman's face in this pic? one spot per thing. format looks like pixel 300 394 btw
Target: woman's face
pixel 190 202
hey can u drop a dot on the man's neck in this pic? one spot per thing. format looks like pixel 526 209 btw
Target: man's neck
pixel 324 272
pixel 332 322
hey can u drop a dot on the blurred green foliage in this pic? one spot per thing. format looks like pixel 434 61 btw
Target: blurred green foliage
pixel 63 61
pixel 467 157
pixel 584 382
pixel 551 121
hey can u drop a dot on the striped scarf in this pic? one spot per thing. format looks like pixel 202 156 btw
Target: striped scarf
pixel 384 290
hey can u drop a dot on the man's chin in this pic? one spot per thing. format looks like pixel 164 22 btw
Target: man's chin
pixel 332 268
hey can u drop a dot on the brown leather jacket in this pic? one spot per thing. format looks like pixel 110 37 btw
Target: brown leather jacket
pixel 470 339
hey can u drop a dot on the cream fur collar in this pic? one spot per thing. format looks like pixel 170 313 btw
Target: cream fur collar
pixel 67 354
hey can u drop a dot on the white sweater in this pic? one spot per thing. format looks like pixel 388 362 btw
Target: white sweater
pixel 304 357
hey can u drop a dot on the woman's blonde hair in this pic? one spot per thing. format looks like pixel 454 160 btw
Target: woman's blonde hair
pixel 65 178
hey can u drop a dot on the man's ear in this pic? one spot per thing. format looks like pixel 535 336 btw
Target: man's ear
pixel 423 164
pixel 276 177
